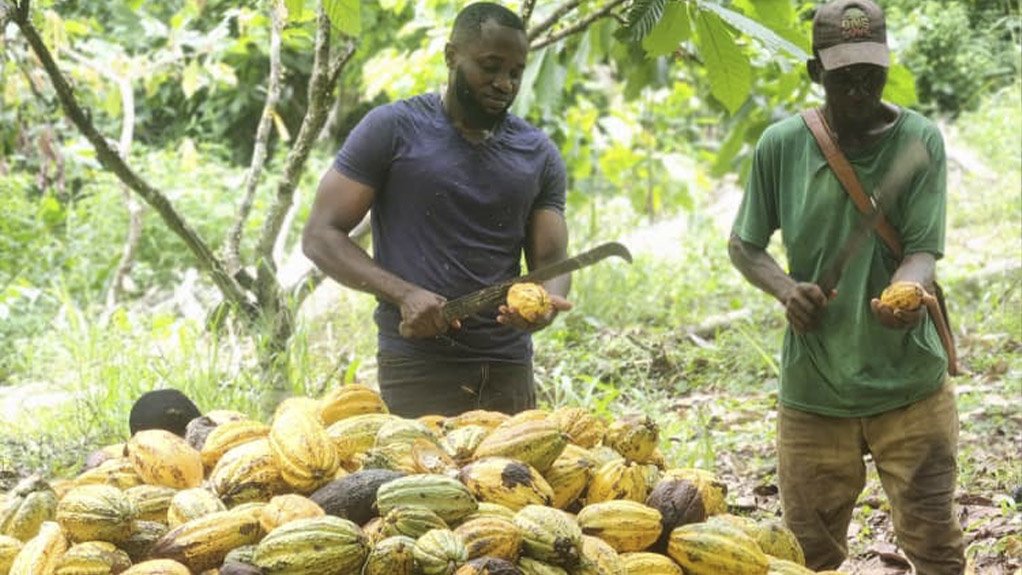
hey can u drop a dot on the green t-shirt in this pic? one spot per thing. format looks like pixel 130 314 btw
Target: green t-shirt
pixel 852 366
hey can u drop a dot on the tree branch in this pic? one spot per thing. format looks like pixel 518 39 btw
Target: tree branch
pixel 526 11
pixel 255 169
pixel 125 85
pixel 579 26
pixel 321 84
pixel 553 18
pixel 113 162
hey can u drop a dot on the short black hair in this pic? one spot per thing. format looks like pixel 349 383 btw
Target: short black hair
pixel 167 409
pixel 469 22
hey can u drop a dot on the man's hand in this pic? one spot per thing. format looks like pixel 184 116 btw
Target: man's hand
pixel 421 315
pixel 894 318
pixel 804 305
pixel 509 316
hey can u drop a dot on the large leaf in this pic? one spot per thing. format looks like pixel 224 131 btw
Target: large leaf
pixel 527 88
pixel 901 86
pixel 294 9
pixel 673 28
pixel 755 30
pixel 345 15
pixel 727 67
pixel 643 17
pixel 778 15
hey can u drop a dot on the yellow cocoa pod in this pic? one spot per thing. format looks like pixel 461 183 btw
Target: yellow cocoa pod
pixel 151 501
pixel 778 541
pixel 507 482
pixel 530 566
pixel 645 563
pixel 348 401
pixel 157 567
pixel 585 429
pixel 22 510
pixel 491 537
pixel 303 451
pixel 618 479
pixel 285 509
pixel 40 554
pixel 202 543
pixel 598 558
pixel 9 548
pixel 537 443
pixel 569 476
pixel 712 549
pixel 191 504
pixel 246 473
pixel 625 525
pixel 529 300
pixel 93 558
pixel 635 438
pixel 481 417
pixel 96 513
pixel 784 567
pixel 906 296
pixel 228 435
pixel 162 458
pixel 116 471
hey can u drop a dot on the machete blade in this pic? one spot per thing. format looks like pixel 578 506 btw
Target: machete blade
pixel 491 296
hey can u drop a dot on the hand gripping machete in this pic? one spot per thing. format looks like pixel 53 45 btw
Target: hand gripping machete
pixel 492 296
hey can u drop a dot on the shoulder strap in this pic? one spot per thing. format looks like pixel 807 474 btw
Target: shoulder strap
pixel 849 181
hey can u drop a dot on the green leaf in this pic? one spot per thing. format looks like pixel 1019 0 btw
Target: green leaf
pixel 191 79
pixel 294 9
pixel 550 83
pixel 901 86
pixel 345 15
pixel 643 17
pixel 526 91
pixel 727 67
pixel 673 28
pixel 729 149
pixel 755 30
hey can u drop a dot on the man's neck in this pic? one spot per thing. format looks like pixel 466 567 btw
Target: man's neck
pixel 855 133
pixel 474 131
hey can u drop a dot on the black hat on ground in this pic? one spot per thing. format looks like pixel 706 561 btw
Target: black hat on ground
pixel 162 409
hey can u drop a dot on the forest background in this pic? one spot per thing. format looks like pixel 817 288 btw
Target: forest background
pixel 157 161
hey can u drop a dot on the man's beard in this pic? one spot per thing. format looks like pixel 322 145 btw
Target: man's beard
pixel 475 114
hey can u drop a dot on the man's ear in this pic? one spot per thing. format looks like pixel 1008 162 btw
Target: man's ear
pixel 814 67
pixel 450 55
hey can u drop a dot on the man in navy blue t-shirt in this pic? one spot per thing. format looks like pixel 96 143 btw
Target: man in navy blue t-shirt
pixel 459 190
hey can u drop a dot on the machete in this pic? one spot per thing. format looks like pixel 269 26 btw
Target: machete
pixel 884 196
pixel 492 296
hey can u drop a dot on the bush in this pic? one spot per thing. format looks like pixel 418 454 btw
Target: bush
pixel 958 51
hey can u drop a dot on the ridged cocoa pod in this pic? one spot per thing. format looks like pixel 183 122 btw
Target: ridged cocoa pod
pixel 488 566
pixel 25 507
pixel 507 482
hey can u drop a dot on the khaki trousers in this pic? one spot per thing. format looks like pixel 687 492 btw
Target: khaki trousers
pixel 821 473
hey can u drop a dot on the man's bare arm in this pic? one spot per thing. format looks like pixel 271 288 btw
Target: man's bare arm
pixel 340 205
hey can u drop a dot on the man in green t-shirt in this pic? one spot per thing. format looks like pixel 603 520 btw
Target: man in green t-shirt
pixel 857 377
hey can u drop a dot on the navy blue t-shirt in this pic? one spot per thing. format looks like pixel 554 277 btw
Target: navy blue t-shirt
pixel 450 215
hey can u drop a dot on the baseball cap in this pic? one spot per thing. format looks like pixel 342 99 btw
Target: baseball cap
pixel 847 32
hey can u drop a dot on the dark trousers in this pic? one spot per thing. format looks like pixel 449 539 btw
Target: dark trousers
pixel 413 387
